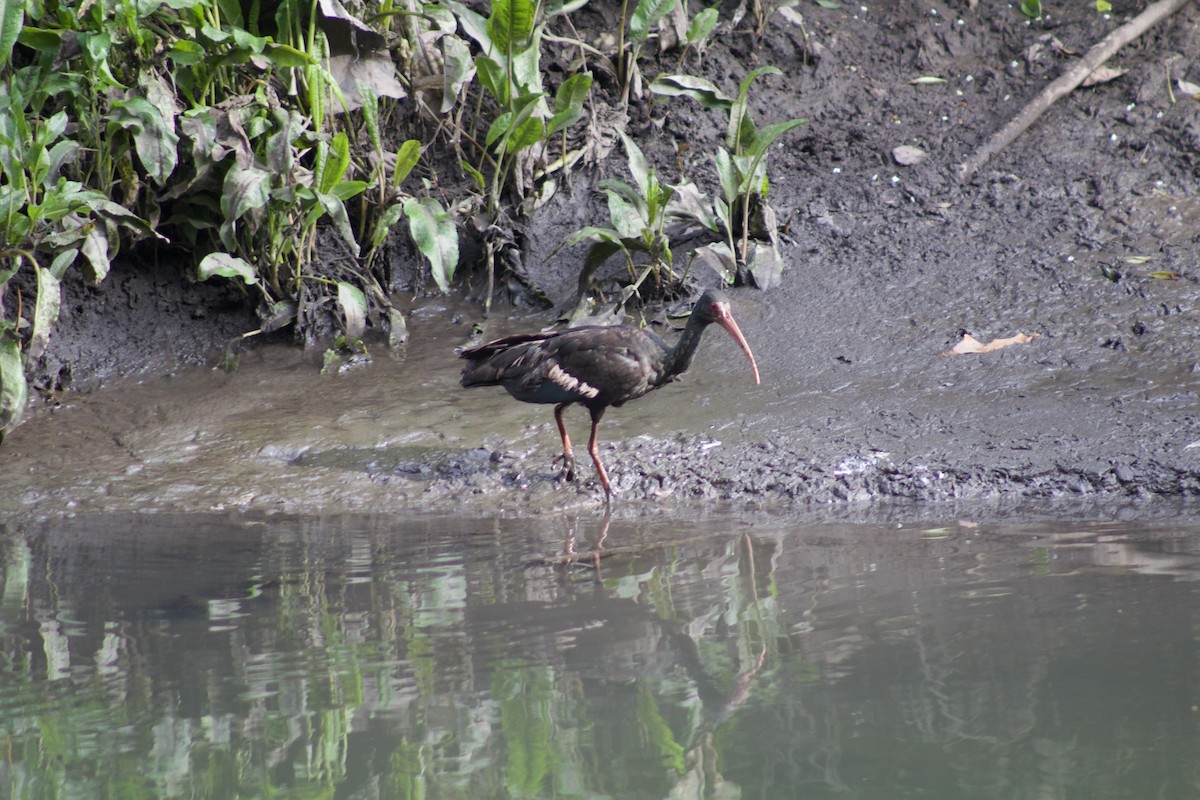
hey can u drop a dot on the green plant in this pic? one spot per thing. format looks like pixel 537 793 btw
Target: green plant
pixel 741 215
pixel 638 216
pixel 646 14
pixel 47 223
pixel 522 119
pixel 700 27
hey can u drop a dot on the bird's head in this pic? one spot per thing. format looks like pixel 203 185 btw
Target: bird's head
pixel 713 306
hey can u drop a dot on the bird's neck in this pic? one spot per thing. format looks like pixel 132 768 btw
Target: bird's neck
pixel 679 357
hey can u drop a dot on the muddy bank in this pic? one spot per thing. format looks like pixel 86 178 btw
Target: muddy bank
pixel 1083 232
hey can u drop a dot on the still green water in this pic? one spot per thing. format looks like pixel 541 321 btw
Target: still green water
pixel 368 657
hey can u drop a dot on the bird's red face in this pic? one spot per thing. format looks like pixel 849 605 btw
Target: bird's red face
pixel 723 316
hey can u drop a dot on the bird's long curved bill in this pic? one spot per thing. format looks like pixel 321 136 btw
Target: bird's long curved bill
pixel 728 324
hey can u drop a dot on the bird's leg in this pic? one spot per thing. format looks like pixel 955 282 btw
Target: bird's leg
pixel 594 451
pixel 568 457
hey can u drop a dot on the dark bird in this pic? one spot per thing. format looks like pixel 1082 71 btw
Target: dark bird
pixel 595 366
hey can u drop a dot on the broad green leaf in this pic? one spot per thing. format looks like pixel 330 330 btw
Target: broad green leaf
pixel 227 266
pixel 347 189
pixel 701 26
pixel 45 312
pixel 702 90
pixel 353 304
pixel 590 232
pixel 493 78
pixel 498 128
pixel 741 127
pixel 47 42
pixel 336 210
pixel 510 25
pixel 529 131
pixel 480 181
pixel 646 15
pixel 62 262
pixel 370 113
pixel 406 158
pixel 832 5
pixel 727 174
pixel 767 136
pixel 637 164
pixel 383 224
pixel 337 164
pixel 186 53
pixel 251 43
pixel 436 236
pixel 626 217
pixel 602 250
pixel 1103 6
pixel 624 190
pixel 520 128
pixel 284 55
pixel 14 391
pixel 568 102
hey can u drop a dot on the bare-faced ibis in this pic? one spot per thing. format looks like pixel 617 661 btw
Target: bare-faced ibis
pixel 595 366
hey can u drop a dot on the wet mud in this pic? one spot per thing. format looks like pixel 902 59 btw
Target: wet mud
pixel 1083 233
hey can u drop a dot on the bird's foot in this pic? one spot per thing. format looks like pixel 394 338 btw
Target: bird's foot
pixel 568 467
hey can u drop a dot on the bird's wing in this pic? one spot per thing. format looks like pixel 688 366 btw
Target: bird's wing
pixel 500 345
pixel 613 364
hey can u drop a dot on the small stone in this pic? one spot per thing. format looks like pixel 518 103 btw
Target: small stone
pixel 907 156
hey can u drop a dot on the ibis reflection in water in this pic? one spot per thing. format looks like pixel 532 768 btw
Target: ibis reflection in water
pixel 595 366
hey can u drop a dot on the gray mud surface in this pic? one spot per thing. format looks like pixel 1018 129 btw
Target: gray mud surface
pixel 1067 234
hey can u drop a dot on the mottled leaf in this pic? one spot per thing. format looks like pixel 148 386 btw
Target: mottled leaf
pixel 459 68
pixel 45 312
pixel 702 90
pixel 436 236
pixel 227 266
pixel 353 304
pixel 14 391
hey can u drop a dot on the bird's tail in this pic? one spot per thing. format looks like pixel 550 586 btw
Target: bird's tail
pixel 504 359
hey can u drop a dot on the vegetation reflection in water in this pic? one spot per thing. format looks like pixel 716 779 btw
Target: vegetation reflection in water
pixel 362 657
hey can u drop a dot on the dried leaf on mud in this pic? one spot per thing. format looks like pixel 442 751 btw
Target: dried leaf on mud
pixel 1189 88
pixel 1103 75
pixel 969 344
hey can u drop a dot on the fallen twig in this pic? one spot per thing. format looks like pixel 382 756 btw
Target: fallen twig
pixel 1064 84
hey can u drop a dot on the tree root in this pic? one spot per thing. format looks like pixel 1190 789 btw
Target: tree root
pixel 1068 81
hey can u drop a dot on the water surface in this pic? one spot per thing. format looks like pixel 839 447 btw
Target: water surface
pixel 222 656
